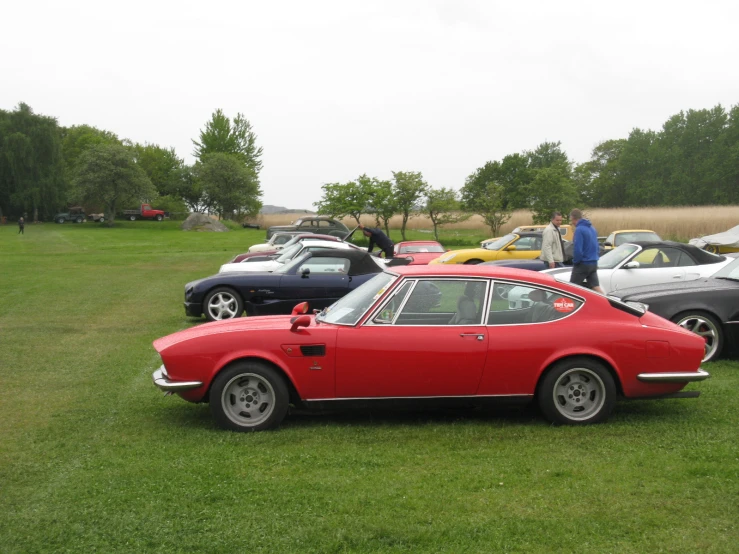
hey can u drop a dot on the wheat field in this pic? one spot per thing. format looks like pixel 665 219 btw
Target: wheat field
pixel 681 223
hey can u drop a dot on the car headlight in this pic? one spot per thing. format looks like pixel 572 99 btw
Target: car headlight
pixel 448 257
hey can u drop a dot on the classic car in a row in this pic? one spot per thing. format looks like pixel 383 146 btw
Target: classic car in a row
pixel 514 246
pixel 270 263
pixel 313 224
pixel 650 263
pixel 319 276
pixel 265 255
pixel 380 346
pixel 719 243
pixel 422 251
pixel 707 307
pixel 617 238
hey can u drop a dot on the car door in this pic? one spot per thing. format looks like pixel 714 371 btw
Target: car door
pixel 526 248
pixel 416 344
pixel 657 265
pixel 318 281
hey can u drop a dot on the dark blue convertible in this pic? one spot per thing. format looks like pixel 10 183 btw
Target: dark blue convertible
pixel 320 278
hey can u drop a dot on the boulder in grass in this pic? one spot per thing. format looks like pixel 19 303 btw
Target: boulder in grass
pixel 203 222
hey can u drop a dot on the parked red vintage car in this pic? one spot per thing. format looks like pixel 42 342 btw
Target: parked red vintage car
pixel 422 251
pixel 435 335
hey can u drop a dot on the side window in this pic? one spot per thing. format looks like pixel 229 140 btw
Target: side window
pixel 518 304
pixel 390 309
pixel 528 243
pixel 444 302
pixel 685 260
pixel 661 257
pixel 325 265
pixel 610 239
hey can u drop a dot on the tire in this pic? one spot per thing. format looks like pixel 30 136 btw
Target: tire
pixel 711 248
pixel 249 396
pixel 705 326
pixel 159 217
pixel 472 262
pixel 132 217
pixel 60 220
pixel 78 220
pixel 101 220
pixel 577 391
pixel 222 303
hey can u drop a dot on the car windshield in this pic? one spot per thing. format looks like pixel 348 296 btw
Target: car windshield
pixel 730 271
pixel 421 248
pixel 623 238
pixel 353 306
pixel 611 259
pixel 500 243
pixel 288 253
pixel 292 263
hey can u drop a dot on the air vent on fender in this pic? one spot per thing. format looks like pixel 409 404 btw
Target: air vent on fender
pixel 313 350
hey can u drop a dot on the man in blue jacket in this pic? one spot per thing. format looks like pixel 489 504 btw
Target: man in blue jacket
pixel 585 254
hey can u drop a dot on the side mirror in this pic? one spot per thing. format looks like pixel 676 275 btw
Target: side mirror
pixel 632 265
pixel 607 244
pixel 305 272
pixel 510 248
pixel 301 308
pixel 299 321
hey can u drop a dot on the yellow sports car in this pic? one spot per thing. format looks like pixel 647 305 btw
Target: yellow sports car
pixel 567 231
pixel 515 246
pixel 617 238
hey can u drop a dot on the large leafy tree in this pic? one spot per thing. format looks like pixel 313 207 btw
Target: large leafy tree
pixel 381 202
pixel 107 174
pixel 31 166
pixel 409 189
pixel 229 187
pixel 492 207
pixel 222 135
pixel 551 190
pixel 162 166
pixel 443 207
pixel 345 199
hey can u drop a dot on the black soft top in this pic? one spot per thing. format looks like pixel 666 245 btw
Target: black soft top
pixel 701 256
pixel 361 262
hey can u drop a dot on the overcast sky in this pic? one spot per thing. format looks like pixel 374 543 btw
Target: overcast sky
pixel 338 88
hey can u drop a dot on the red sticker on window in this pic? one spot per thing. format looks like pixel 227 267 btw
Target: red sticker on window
pixel 564 305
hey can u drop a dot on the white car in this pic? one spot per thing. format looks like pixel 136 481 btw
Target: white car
pixel 637 264
pixel 287 254
pixel 276 242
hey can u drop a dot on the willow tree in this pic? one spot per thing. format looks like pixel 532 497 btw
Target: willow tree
pixel 31 167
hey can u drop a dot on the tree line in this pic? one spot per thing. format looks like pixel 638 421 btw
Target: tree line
pixel 45 167
pixel 692 160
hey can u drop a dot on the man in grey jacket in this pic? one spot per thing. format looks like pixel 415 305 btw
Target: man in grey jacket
pixel 552 248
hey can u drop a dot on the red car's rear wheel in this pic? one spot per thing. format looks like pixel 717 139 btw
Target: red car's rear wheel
pixel 577 391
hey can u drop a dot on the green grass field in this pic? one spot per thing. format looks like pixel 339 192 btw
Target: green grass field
pixel 94 459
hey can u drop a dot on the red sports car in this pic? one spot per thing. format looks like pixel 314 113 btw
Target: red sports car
pixel 435 335
pixel 422 251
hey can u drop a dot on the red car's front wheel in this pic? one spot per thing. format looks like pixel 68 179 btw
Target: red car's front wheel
pixel 249 396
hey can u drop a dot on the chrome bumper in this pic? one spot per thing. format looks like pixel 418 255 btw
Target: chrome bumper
pixel 162 381
pixel 686 377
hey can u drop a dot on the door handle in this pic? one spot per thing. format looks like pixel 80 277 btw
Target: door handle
pixel 677 276
pixel 478 335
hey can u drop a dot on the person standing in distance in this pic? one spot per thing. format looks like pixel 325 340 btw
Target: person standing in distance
pixel 376 236
pixel 21 226
pixel 552 249
pixel 585 255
